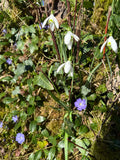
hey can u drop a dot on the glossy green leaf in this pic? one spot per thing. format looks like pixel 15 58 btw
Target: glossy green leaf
pixel 30 110
pixel 42 81
pixel 32 126
pixel 38 155
pixel 51 153
pixel 45 133
pixel 31 157
pixel 52 140
pixel 92 97
pixel 8 100
pixel 23 115
pixel 40 119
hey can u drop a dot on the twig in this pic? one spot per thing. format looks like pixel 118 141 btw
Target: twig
pixel 69 19
pixel 56 47
pixel 106 28
pixel 78 30
pixel 74 16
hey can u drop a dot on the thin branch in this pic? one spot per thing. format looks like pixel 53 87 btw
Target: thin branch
pixel 56 47
pixel 78 31
pixel 106 28
pixel 74 16
pixel 69 17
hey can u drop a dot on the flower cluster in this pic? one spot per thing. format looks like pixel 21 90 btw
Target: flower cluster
pixel 20 138
pixel 80 104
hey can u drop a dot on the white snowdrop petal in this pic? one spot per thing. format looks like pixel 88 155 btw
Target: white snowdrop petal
pixel 52 26
pixel 70 45
pixel 56 22
pixel 113 44
pixel 101 49
pixel 71 73
pixel 76 37
pixel 67 67
pixel 67 38
pixel 45 21
pixel 60 67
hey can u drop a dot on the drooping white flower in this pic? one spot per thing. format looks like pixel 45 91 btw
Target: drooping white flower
pixel 111 43
pixel 68 39
pixel 67 68
pixel 52 21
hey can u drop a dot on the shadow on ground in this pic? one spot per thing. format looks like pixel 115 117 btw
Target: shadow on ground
pixel 107 145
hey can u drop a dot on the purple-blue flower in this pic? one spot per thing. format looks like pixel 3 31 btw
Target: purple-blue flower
pixel 46 27
pixel 20 138
pixel 80 104
pixel 15 118
pixel 1 124
pixel 4 31
pixel 9 61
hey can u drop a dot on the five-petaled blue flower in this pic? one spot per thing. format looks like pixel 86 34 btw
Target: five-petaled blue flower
pixel 15 118
pixel 1 124
pixel 20 138
pixel 9 61
pixel 80 104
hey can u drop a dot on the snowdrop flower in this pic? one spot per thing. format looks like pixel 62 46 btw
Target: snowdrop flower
pixel 68 39
pixel 67 68
pixel 52 21
pixel 111 43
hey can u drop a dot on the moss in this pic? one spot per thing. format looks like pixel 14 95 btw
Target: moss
pixel 99 17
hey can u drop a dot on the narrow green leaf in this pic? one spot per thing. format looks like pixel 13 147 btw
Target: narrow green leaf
pixel 66 146
pixel 6 79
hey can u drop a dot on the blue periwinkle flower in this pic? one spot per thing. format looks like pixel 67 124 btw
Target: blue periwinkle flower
pixel 80 104
pixel 9 61
pixel 20 138
pixel 1 124
pixel 15 118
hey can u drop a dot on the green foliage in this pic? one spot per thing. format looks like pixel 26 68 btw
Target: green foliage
pixel 42 98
